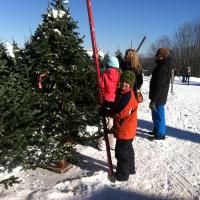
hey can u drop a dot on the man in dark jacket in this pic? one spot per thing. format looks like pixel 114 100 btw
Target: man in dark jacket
pixel 159 87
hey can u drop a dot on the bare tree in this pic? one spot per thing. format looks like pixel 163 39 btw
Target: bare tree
pixel 148 62
pixel 164 41
pixel 186 46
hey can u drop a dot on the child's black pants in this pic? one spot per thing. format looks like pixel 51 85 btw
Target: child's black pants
pixel 124 154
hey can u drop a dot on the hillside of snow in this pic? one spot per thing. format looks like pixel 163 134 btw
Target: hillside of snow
pixel 167 169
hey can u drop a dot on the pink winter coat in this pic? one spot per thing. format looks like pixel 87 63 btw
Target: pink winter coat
pixel 109 83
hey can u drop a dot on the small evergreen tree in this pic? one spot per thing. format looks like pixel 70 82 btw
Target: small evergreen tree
pixel 105 61
pixel 120 57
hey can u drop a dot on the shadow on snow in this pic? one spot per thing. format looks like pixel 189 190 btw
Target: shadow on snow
pixel 92 164
pixel 118 194
pixel 106 193
pixel 171 131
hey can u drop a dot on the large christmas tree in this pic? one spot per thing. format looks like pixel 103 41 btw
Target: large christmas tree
pixel 57 82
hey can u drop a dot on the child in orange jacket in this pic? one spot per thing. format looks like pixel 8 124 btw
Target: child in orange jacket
pixel 124 128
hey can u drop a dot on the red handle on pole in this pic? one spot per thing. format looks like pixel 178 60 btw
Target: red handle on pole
pixel 94 45
pixel 96 60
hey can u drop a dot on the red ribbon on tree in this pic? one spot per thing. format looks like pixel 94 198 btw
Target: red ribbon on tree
pixel 40 79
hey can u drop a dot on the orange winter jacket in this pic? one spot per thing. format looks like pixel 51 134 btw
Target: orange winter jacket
pixel 125 116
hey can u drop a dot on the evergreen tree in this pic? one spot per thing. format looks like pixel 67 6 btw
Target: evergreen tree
pixel 48 101
pixel 7 53
pixel 105 61
pixel 120 56
pixel 67 88
pixel 17 114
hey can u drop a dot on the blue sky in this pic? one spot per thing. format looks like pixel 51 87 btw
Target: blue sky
pixel 117 22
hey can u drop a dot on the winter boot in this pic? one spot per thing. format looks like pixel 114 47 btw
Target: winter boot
pixel 155 137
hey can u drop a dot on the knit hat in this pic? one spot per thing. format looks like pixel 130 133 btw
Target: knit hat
pixel 163 52
pixel 129 77
pixel 113 62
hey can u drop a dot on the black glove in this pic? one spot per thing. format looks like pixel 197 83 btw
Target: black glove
pixel 152 105
pixel 103 111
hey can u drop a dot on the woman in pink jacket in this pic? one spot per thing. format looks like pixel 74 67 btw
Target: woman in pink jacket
pixel 109 84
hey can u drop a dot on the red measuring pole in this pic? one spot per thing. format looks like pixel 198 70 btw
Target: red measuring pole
pixel 96 60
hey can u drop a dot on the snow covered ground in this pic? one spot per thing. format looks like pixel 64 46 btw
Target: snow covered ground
pixel 168 169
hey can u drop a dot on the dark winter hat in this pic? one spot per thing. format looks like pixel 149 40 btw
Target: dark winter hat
pixel 129 77
pixel 163 52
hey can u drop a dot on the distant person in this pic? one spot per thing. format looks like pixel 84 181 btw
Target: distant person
pixel 159 87
pixel 183 73
pixel 125 124
pixel 188 73
pixel 109 83
pixel 131 62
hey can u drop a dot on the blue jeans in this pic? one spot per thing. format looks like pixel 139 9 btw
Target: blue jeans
pixel 158 117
